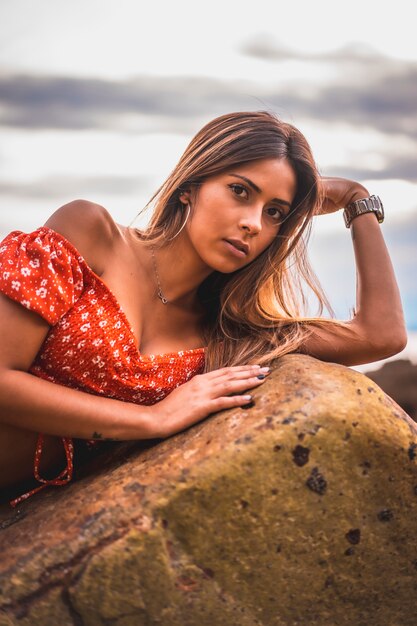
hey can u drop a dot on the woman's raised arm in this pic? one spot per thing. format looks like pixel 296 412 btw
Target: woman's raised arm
pixel 378 329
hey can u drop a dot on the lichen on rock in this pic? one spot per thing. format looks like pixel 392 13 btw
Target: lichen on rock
pixel 282 514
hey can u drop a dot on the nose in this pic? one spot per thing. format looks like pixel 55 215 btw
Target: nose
pixel 251 222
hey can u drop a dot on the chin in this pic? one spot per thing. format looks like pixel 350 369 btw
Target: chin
pixel 231 266
pixel 223 262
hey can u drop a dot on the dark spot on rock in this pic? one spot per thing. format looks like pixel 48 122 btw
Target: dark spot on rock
pixel 371 390
pixel 274 492
pixel 268 424
pixel 322 562
pixel 244 504
pixel 386 515
pixel 277 448
pixel 208 572
pixel 89 520
pixel 208 441
pixel 329 581
pixel 183 477
pixel 278 548
pixel 185 583
pixel 359 392
pixel 288 420
pixel 171 550
pixel 366 465
pixel 349 551
pixel 347 436
pixel 391 479
pixel 316 482
pixel 300 455
pixel 314 430
pixel 135 487
pixel 164 523
pixel 13 519
pixel 412 451
pixel 415 490
pixel 301 436
pixel 415 564
pixel 245 439
pixel 353 535
pixel 354 424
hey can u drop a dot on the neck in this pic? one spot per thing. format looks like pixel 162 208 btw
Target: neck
pixel 180 272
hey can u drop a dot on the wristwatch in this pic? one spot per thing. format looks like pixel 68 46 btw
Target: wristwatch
pixel 373 204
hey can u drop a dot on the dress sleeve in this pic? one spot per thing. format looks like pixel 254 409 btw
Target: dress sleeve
pixel 42 271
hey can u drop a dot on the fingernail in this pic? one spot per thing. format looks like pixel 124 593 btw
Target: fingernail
pixel 265 370
pixel 250 403
pixel 261 376
pixel 248 398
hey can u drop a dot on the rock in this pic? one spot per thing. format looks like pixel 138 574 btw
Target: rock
pixel 299 510
pixel 398 379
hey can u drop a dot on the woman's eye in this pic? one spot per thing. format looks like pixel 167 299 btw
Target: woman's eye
pixel 275 213
pixel 238 189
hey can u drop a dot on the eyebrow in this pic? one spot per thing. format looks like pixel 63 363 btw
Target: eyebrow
pixel 259 190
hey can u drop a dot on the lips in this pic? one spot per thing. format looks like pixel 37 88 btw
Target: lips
pixel 239 245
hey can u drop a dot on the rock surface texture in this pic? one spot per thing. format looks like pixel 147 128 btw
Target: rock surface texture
pixel 301 510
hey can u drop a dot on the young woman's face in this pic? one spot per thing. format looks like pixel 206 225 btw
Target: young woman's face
pixel 237 214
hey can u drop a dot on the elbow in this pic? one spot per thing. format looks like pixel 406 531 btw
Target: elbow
pixel 391 345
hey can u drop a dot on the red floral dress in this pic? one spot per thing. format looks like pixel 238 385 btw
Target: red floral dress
pixel 90 346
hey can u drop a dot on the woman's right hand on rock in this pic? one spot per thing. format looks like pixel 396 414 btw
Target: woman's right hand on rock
pixel 204 394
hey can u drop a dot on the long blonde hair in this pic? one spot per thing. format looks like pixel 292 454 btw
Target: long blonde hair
pixel 240 329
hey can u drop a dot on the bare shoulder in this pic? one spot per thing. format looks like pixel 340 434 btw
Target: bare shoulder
pixel 90 228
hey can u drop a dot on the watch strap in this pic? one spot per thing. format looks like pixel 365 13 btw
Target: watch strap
pixel 372 204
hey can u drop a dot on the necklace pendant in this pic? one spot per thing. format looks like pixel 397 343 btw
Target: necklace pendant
pixel 162 297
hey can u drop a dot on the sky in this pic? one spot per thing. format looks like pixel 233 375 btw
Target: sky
pixel 99 98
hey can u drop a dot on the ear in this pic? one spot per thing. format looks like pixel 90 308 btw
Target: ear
pixel 185 195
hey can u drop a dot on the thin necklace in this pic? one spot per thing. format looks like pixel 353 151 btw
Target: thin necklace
pixel 159 292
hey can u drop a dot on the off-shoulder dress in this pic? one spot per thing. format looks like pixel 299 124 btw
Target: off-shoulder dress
pixel 90 345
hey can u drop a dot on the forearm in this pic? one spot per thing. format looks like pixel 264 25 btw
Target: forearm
pixel 378 302
pixel 34 404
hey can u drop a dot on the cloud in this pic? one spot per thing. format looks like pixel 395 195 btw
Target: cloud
pixel 380 100
pixel 367 88
pixel 47 102
pixel 61 186
pixel 385 104
pixel 40 102
pixel 398 168
pixel 268 48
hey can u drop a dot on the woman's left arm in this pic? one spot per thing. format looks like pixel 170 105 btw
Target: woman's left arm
pixel 378 328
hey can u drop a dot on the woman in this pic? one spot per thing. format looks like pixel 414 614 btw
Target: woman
pixel 109 332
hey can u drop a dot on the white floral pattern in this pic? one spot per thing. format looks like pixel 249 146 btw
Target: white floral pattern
pixel 46 274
